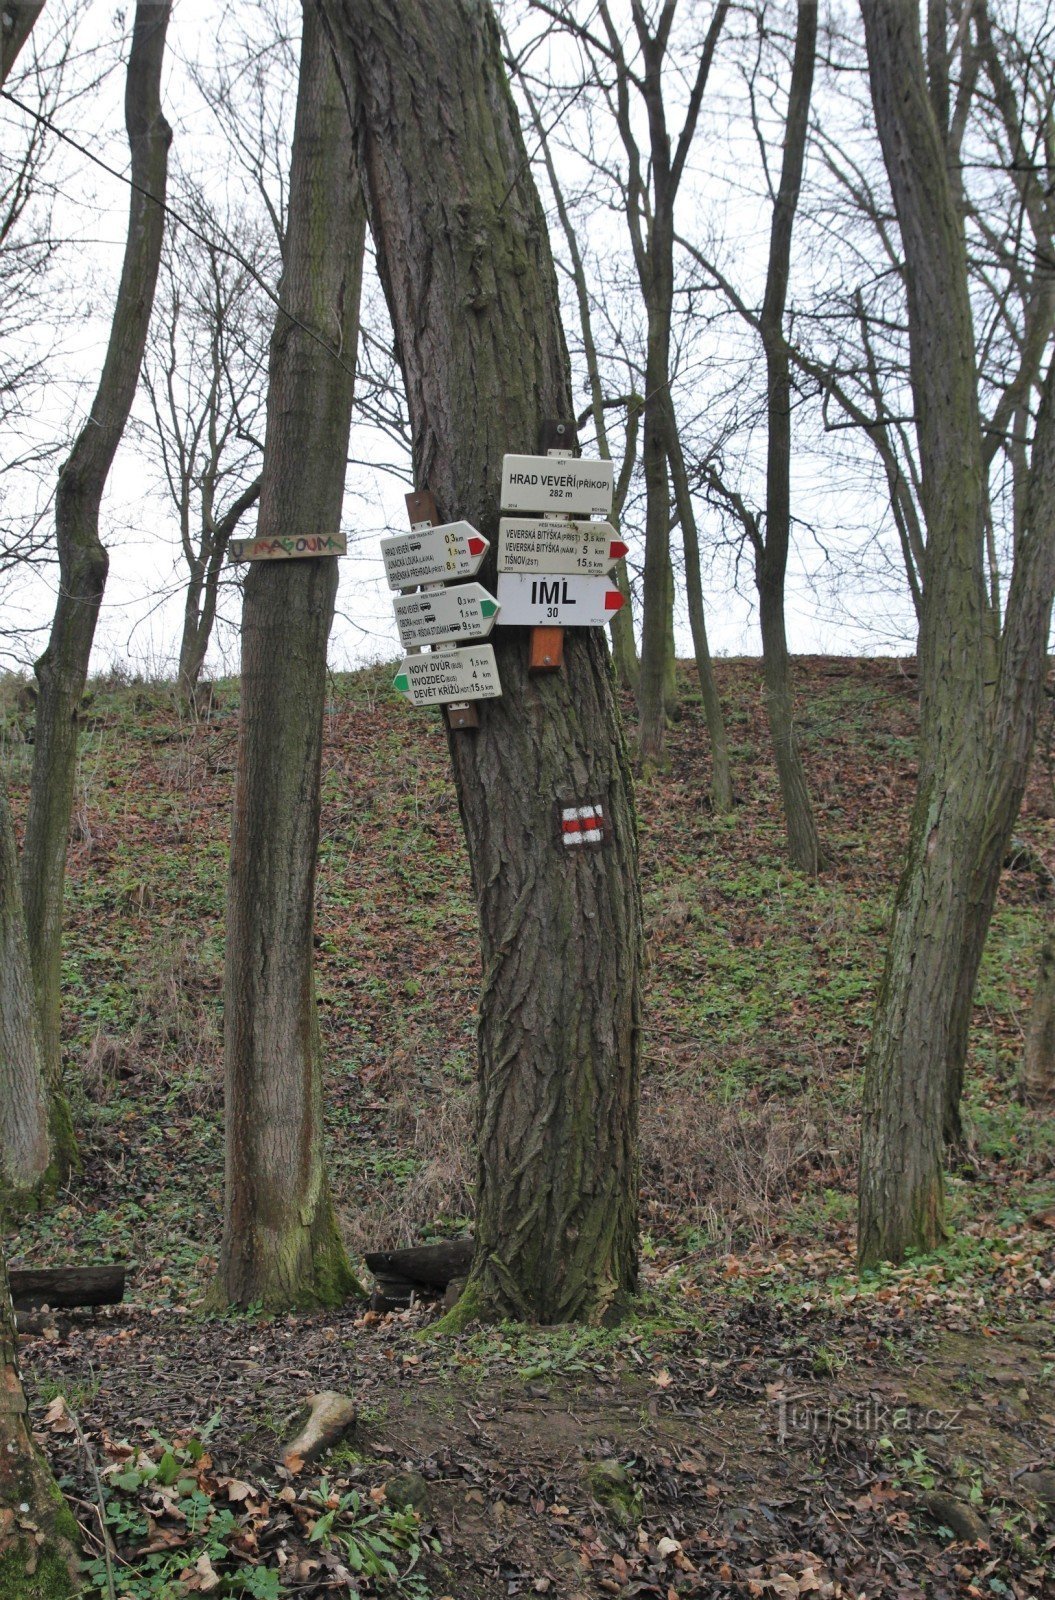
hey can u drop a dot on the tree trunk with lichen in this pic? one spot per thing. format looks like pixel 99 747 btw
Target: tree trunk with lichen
pixel 38 1533
pixel 25 1141
pixel 281 1245
pixel 975 737
pixel 466 266
pixel 62 669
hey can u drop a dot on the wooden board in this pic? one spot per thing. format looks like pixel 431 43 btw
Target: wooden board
pixel 288 547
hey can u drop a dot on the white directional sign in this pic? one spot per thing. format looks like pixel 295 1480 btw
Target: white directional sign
pixel 556 602
pixel 432 555
pixel 548 545
pixel 557 483
pixel 450 675
pixel 465 611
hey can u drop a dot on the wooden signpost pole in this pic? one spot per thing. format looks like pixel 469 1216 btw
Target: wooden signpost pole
pixel 546 645
pixel 423 513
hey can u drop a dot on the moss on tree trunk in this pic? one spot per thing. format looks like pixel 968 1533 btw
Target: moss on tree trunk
pixel 281 1246
pixel 466 266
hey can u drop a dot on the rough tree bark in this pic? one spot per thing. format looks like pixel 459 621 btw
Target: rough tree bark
pixel 281 1245
pixel 25 1142
pixel 975 739
pixel 1038 1064
pixel 467 270
pixel 30 1568
pixel 62 669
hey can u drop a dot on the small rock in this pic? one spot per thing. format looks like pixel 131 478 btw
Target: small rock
pixel 956 1515
pixel 407 1489
pixel 330 1417
pixel 1039 1484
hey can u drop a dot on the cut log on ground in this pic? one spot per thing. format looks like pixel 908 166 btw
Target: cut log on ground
pixel 331 1416
pixel 426 1266
pixel 32 1287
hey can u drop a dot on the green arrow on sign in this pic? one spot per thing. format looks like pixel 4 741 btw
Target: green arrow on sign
pixel 401 682
pixel 488 608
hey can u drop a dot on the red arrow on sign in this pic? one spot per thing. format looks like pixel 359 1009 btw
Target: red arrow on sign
pixel 613 601
pixel 617 549
pixel 477 546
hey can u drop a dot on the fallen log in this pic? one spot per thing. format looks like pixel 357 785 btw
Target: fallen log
pixel 32 1287
pixel 426 1266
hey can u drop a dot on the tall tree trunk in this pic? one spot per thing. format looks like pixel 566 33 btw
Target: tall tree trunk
pixel 17 18
pixel 62 669
pixel 653 690
pixel 281 1246
pixel 772 560
pixel 974 744
pixel 1038 1065
pixel 465 262
pixel 25 1144
pixel 31 1567
pixel 721 773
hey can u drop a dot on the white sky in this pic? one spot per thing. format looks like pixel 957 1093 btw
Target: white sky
pixel 139 624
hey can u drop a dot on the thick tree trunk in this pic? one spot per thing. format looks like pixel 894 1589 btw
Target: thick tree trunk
pixel 62 669
pixel 1038 1065
pixel 465 262
pixel 25 1144
pixel 17 18
pixel 281 1246
pixel 31 1568
pixel 974 744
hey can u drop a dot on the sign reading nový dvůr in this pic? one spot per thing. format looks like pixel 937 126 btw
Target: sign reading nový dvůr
pixel 450 675
pixel 557 483
pixel 546 544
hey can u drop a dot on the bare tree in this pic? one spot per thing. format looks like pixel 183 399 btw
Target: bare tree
pixel 979 696
pixel 62 669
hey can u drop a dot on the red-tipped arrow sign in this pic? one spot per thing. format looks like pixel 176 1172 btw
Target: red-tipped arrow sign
pixel 548 545
pixel 552 601
pixel 433 555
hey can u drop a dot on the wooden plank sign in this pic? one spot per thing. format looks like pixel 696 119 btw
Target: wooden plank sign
pixel 287 547
pixel 557 602
pixel 465 611
pixel 433 555
pixel 470 673
pixel 548 545
pixel 557 483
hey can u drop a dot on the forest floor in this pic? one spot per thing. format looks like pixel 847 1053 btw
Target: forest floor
pixel 769 1423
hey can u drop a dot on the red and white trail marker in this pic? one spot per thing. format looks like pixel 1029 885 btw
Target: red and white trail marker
pixel 581 825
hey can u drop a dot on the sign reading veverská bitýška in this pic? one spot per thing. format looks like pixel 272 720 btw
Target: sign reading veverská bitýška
pixel 546 544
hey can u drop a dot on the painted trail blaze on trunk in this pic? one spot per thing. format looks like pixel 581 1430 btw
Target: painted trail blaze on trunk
pixel 465 261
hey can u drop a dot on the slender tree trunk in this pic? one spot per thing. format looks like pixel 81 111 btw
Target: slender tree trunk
pixel 974 744
pixel 1038 1066
pixel 203 588
pixel 657 582
pixel 31 1567
pixel 25 1144
pixel 465 261
pixel 62 669
pixel 721 774
pixel 771 561
pixel 281 1246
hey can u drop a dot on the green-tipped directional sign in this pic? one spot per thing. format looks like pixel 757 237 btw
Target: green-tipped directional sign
pixel 450 676
pixel 436 616
pixel 557 483
pixel 433 555
pixel 546 544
